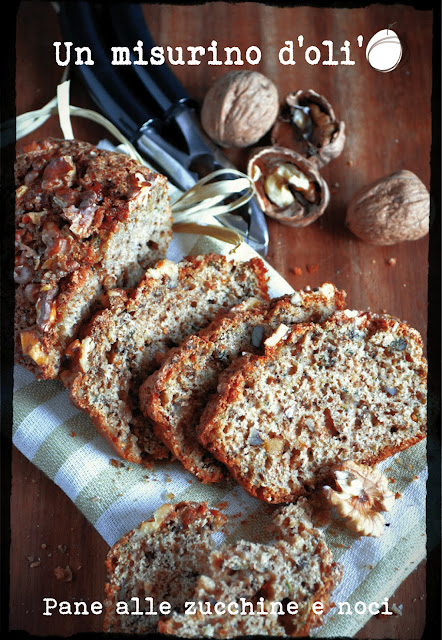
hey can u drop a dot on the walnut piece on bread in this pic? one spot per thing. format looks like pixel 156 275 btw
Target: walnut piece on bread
pixel 361 494
pixel 86 220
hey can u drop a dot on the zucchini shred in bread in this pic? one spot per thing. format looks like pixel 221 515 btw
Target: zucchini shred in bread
pixel 174 559
pixel 124 343
pixel 353 387
pixel 174 396
pixel 87 220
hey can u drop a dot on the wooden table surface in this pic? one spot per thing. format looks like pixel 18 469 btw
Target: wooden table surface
pixel 388 123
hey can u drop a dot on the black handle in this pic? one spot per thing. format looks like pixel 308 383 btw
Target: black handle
pixel 109 91
pixel 127 22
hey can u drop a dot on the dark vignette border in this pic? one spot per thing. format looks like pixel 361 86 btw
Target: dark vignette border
pixel 7 156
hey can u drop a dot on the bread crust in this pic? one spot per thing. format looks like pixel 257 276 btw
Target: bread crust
pixel 87 220
pixel 198 361
pixel 308 443
pixel 123 343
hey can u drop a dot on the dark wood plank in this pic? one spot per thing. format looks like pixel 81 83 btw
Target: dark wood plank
pixel 388 128
pixel 48 532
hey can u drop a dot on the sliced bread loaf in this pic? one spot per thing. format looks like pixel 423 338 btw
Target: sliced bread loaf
pixel 161 559
pixel 125 342
pixel 174 396
pixel 353 387
pixel 87 220
pixel 251 589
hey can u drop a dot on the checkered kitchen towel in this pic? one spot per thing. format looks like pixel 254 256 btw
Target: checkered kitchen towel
pixel 115 498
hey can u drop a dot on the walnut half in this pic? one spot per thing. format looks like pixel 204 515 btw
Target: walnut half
pixel 361 494
pixel 287 186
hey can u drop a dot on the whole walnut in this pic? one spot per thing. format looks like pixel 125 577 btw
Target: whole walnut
pixel 391 210
pixel 239 108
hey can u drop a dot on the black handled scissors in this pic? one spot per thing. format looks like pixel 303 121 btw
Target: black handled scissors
pixel 148 104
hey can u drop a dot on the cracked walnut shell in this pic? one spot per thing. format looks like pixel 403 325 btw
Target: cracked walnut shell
pixel 307 124
pixel 362 493
pixel 239 108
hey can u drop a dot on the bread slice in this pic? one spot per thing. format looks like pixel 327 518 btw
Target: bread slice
pixel 161 559
pixel 87 220
pixel 353 388
pixel 125 342
pixel 175 395
pixel 250 577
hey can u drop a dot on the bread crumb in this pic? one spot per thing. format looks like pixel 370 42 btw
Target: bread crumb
pixel 116 463
pixel 35 564
pixel 297 271
pixel 62 548
pixel 64 575
pixel 73 434
pixel 312 268
pixel 391 261
pixel 396 609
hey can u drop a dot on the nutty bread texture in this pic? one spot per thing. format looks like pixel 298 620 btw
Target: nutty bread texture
pixel 175 396
pixel 126 342
pixel 173 558
pixel 87 220
pixel 297 567
pixel 161 559
pixel 353 387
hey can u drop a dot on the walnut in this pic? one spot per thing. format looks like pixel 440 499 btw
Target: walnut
pixel 288 187
pixel 239 108
pixel 64 575
pixel 391 210
pixel 276 336
pixel 307 124
pixel 31 346
pixel 361 493
pixel 46 307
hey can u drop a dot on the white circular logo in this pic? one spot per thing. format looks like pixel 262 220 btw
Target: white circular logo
pixel 384 51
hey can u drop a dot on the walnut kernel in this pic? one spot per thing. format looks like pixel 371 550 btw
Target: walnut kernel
pixel 361 494
pixel 288 187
